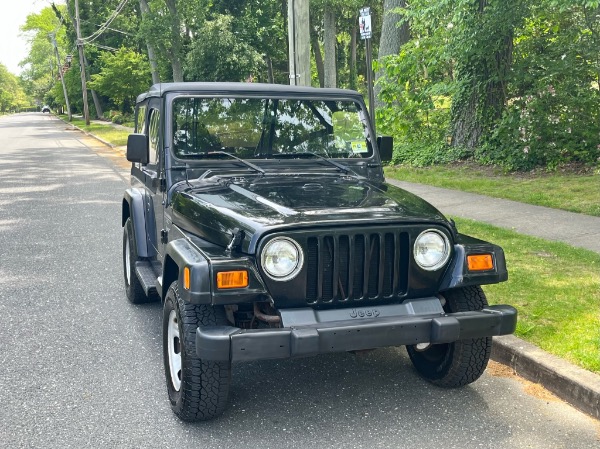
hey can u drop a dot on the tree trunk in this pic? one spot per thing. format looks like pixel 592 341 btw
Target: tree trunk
pixel 481 99
pixel 314 41
pixel 97 105
pixel 329 41
pixel 270 77
pixel 145 9
pixel 392 38
pixel 175 53
pixel 353 44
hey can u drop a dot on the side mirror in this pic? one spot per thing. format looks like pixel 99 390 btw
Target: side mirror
pixel 386 148
pixel 137 148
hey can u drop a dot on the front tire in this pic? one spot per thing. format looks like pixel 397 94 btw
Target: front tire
pixel 198 390
pixel 459 363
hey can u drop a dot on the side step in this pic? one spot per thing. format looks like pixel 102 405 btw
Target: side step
pixel 147 276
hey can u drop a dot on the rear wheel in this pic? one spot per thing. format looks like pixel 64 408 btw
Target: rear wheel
pixel 133 288
pixel 461 362
pixel 198 390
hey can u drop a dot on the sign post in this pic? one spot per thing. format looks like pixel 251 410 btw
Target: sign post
pixel 366 33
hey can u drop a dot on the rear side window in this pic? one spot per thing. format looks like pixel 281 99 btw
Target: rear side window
pixel 140 121
pixel 153 136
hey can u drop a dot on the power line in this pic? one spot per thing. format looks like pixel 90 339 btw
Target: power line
pixel 102 28
pixel 103 47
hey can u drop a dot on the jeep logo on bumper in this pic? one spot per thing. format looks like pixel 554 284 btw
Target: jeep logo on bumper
pixel 362 313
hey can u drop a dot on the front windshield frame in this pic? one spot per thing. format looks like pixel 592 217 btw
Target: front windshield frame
pixel 361 111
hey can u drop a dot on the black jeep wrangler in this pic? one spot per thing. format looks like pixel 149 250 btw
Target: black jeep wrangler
pixel 259 214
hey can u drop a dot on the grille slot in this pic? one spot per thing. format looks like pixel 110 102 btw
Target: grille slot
pixel 356 267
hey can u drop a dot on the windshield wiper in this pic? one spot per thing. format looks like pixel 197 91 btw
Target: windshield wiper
pixel 246 163
pixel 342 167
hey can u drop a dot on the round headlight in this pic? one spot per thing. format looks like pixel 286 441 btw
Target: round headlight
pixel 432 250
pixel 282 259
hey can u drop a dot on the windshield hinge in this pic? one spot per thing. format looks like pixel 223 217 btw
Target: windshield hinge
pixel 236 241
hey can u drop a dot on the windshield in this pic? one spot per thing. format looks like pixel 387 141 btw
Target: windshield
pixel 259 128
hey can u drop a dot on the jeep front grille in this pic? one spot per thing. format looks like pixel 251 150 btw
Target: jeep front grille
pixel 356 267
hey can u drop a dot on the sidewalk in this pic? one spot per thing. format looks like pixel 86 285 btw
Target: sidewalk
pixel 574 385
pixel 551 224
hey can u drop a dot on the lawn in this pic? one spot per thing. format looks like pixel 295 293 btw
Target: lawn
pixel 115 135
pixel 556 289
pixel 569 191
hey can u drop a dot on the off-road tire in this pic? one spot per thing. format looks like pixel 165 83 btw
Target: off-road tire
pixel 455 364
pixel 204 388
pixel 133 288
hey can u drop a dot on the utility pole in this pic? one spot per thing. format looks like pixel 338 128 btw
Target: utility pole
pixel 299 42
pixel 86 111
pixel 60 73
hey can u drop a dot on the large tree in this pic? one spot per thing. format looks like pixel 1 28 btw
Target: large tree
pixel 124 74
pixel 482 48
pixel 12 96
pixel 219 54
pixel 395 32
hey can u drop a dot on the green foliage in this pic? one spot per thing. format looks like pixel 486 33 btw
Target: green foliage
pixel 12 96
pixel 40 66
pixel 118 117
pixel 514 82
pixel 416 92
pixel 123 75
pixel 553 117
pixel 218 54
pixel 521 79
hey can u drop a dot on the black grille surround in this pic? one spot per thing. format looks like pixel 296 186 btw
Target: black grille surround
pixel 350 267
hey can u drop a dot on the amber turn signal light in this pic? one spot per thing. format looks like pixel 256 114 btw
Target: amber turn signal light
pixel 232 279
pixel 480 262
pixel 186 278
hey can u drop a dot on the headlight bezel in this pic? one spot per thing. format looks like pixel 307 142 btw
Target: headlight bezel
pixel 445 257
pixel 299 259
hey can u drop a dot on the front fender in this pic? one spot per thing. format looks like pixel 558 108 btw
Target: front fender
pixel 181 253
pixel 133 207
pixel 458 274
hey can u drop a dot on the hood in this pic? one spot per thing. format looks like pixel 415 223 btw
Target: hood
pixel 213 208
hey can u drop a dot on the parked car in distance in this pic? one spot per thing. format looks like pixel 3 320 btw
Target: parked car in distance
pixel 46 108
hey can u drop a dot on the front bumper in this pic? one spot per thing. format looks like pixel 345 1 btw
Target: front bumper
pixel 307 332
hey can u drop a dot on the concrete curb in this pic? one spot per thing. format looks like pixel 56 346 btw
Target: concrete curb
pixel 578 387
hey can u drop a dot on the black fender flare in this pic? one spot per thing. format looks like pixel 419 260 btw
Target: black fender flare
pixel 458 275
pixel 133 207
pixel 180 254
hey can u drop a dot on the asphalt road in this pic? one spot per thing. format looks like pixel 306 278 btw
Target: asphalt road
pixel 81 367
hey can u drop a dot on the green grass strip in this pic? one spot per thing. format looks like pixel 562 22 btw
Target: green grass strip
pixel 110 133
pixel 556 289
pixel 571 192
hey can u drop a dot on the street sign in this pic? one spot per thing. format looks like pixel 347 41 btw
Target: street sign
pixel 364 23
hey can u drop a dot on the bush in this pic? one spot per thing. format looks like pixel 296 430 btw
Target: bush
pixel 421 155
pixel 417 103
pixel 118 119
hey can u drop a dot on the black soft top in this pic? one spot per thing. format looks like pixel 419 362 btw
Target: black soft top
pixel 266 90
